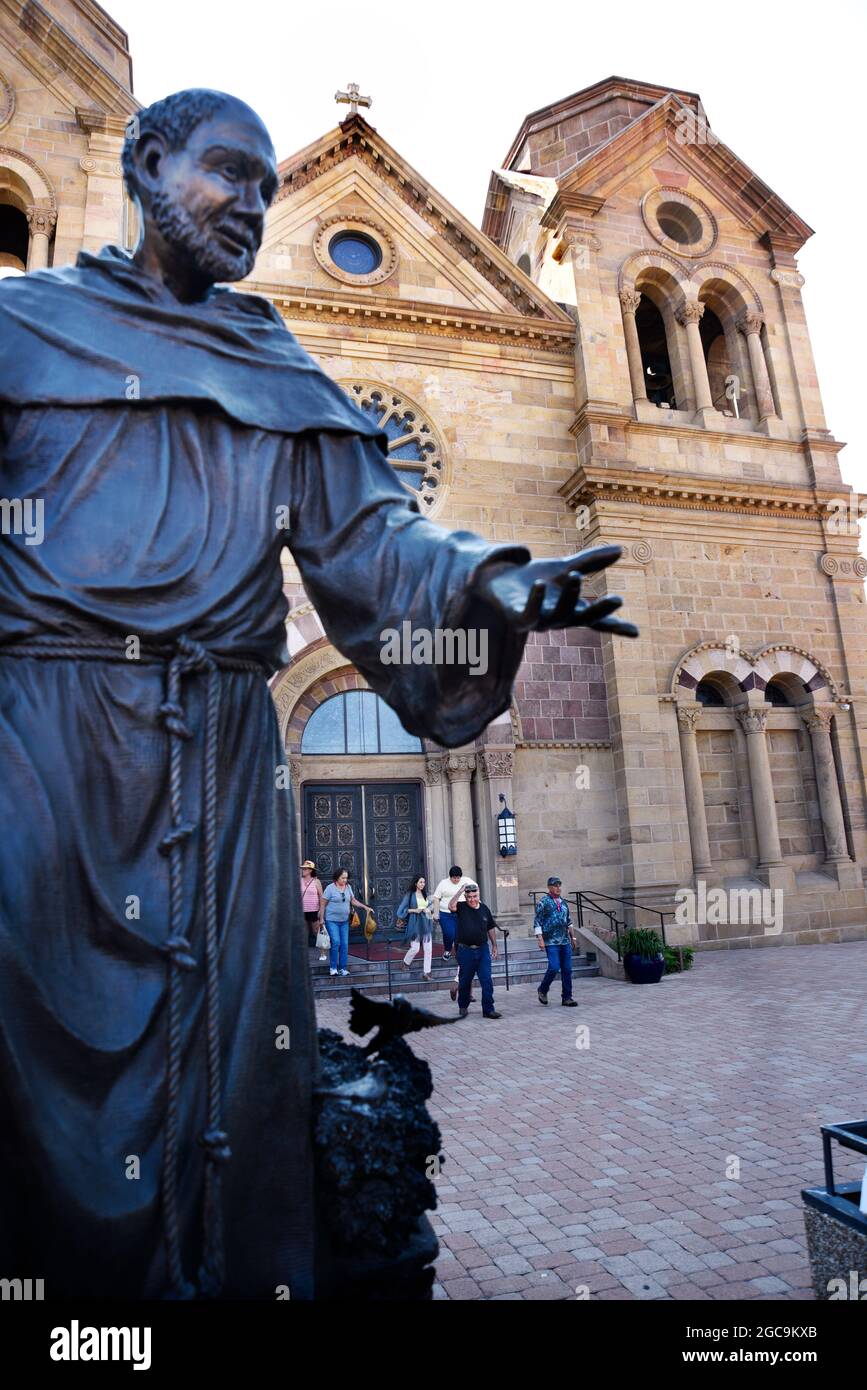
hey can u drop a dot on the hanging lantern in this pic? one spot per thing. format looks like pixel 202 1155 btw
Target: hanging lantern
pixel 506 837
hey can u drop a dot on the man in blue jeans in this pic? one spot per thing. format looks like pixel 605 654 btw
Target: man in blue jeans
pixel 553 931
pixel 476 947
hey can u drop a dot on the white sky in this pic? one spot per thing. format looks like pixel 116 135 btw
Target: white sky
pixel 782 83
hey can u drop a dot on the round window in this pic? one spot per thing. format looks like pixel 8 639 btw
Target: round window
pixel 354 253
pixel 680 223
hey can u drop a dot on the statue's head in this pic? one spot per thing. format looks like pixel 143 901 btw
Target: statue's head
pixel 203 170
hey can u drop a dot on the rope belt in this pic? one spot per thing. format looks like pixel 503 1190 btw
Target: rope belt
pixel 183 658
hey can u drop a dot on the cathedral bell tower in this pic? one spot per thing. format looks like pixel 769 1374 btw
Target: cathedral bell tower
pixel 739 728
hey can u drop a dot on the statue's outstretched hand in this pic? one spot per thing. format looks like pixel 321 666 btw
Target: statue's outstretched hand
pixel 547 593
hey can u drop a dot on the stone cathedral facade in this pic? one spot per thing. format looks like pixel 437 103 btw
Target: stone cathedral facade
pixel 618 355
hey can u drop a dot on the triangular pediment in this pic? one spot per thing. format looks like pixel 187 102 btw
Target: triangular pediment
pixel 35 44
pixel 671 135
pixel 439 258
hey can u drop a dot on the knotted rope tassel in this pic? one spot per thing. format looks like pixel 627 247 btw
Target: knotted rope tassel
pixel 189 657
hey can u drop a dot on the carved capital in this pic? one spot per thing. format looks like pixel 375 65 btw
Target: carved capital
pixel 753 721
pixel 460 768
pixel 295 770
pixel 690 312
pixel 630 300
pixel 41 220
pixel 842 567
pixel 818 719
pixel 688 718
pixel 434 767
pixel 750 322
pixel 495 762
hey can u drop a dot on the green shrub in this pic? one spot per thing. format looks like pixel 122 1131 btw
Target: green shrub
pixel 672 959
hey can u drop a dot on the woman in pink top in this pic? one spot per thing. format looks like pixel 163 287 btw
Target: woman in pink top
pixel 311 901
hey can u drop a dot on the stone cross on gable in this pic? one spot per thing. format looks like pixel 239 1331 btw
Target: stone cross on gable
pixel 353 98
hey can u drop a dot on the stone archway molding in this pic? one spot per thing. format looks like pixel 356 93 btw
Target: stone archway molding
pixel 751 670
pixel 718 270
pixel 41 189
pixel 290 684
pixel 639 261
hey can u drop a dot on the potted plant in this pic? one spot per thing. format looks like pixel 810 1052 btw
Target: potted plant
pixel 642 955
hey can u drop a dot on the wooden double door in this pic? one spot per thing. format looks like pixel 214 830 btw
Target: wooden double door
pixel 373 830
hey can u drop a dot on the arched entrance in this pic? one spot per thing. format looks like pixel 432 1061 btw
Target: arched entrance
pixel 358 777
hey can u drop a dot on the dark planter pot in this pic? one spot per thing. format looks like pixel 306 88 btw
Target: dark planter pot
pixel 642 971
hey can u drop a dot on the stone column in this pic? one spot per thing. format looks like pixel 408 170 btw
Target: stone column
pixel 754 723
pixel 690 315
pixel 295 773
pixel 630 300
pixel 751 326
pixel 818 722
pixel 105 197
pixel 439 855
pixel 459 770
pixel 494 768
pixel 696 814
pixel 41 222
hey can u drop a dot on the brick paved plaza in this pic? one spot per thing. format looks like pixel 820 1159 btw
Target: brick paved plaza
pixel 606 1166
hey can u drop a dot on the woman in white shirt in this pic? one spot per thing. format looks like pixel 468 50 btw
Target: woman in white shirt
pixel 415 910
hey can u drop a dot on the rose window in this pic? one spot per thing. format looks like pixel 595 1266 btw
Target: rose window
pixel 414 449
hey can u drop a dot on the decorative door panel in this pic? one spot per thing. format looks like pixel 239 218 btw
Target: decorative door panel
pixel 333 832
pixel 372 831
pixel 394 844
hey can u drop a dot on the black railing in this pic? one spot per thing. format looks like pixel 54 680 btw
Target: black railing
pixel 505 931
pixel 587 902
pixel 390 939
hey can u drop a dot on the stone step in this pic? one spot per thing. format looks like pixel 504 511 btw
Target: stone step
pixel 373 978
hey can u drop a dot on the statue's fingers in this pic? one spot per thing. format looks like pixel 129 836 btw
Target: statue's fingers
pixel 614 625
pixel 567 599
pixel 599 558
pixel 590 614
pixel 533 606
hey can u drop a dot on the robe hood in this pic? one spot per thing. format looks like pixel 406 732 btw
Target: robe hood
pixel 102 332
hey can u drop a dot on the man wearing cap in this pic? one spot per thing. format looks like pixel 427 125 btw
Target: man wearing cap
pixel 476 948
pixel 553 931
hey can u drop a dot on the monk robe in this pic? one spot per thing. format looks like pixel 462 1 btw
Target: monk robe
pixel 154 1126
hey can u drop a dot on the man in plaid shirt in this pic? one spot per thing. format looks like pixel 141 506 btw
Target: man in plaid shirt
pixel 553 931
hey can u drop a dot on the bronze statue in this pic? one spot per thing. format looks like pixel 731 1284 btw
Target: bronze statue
pixel 157 1039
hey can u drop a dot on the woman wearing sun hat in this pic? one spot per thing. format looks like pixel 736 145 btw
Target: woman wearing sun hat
pixel 311 902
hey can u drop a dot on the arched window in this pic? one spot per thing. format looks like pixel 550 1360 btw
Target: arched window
pixel 524 264
pixel 14 237
pixel 716 356
pixel 655 361
pixel 725 348
pixel 356 721
pixel 710 695
pixel 786 692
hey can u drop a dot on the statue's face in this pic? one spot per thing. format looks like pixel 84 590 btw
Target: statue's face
pixel 210 197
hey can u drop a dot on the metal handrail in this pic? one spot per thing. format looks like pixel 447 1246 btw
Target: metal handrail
pixel 388 942
pixel 505 931
pixel 582 897
pixel 625 902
